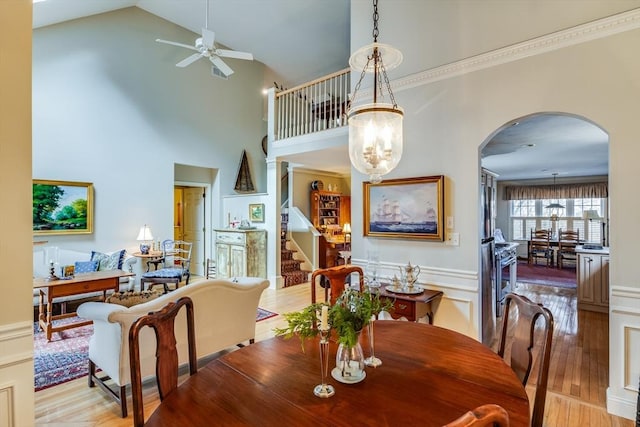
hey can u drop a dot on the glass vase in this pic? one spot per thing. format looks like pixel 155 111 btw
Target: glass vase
pixel 349 363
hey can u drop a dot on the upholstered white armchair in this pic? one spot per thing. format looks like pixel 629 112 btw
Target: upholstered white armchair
pixel 225 316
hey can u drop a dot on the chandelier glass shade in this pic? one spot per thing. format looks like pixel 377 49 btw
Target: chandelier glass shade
pixel 375 139
pixel 375 128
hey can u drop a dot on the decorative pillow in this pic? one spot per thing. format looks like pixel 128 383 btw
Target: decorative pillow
pixel 131 298
pixel 108 262
pixel 86 266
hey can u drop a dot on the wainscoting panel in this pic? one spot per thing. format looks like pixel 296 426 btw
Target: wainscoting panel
pixel 456 314
pixel 16 375
pixel 624 342
pixel 6 406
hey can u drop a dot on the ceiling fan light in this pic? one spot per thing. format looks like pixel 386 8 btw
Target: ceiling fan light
pixel 375 139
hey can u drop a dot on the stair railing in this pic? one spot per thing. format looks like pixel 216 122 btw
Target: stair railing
pixel 314 106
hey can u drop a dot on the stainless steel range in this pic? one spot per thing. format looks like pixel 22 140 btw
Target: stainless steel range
pixel 506 259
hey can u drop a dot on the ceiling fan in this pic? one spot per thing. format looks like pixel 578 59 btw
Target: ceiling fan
pixel 205 48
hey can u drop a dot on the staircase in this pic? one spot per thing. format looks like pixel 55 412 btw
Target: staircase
pixel 289 266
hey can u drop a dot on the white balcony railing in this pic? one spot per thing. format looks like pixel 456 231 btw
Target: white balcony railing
pixel 312 107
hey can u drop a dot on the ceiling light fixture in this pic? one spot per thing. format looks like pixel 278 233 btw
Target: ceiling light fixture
pixel 375 129
pixel 555 205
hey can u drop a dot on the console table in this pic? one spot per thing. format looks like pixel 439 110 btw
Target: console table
pixel 99 281
pixel 413 307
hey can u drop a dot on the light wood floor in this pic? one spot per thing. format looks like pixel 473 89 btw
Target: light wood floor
pixel 578 375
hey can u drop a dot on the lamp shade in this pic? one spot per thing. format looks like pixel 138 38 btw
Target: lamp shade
pixel 144 234
pixel 346 228
pixel 590 214
pixel 375 139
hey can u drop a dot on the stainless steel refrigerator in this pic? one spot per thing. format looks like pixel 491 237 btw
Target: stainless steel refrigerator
pixel 487 256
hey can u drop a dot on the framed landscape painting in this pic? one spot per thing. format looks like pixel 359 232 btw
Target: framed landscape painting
pixel 62 207
pixel 408 208
pixel 256 212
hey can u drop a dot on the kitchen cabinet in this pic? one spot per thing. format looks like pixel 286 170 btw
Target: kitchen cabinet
pixel 241 253
pixel 593 279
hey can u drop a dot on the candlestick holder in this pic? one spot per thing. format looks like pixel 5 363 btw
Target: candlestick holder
pixel 324 390
pixel 372 361
pixel 52 272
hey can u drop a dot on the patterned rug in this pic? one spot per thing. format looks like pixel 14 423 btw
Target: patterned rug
pixel 549 276
pixel 65 357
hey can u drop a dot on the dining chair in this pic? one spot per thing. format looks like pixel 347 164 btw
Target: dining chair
pixel 521 337
pixel 540 246
pixel 567 242
pixel 162 322
pixel 337 277
pixel 176 256
pixel 210 271
pixel 485 415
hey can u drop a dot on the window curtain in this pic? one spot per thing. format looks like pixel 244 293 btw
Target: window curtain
pixel 598 190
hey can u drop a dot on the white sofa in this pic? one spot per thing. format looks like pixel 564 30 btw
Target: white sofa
pixel 69 257
pixel 225 316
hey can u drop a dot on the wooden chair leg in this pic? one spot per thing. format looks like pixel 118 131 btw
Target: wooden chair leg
pixel 92 372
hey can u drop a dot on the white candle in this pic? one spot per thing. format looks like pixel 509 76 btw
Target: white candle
pixel 324 318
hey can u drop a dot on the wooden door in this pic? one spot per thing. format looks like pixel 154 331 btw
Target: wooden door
pixel 193 227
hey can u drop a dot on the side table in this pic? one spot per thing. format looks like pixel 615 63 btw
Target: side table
pixel 413 307
pixel 151 258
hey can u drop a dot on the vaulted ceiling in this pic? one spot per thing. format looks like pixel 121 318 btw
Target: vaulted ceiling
pixel 300 40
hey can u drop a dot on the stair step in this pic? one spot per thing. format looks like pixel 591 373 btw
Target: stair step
pixel 295 278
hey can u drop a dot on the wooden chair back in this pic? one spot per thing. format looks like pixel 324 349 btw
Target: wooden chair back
pixel 522 343
pixel 211 272
pixel 540 246
pixel 337 277
pixel 485 415
pixel 567 242
pixel 162 322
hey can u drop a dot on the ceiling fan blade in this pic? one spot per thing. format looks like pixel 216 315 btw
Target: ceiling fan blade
pixel 176 44
pixel 208 38
pixel 220 64
pixel 189 60
pixel 234 54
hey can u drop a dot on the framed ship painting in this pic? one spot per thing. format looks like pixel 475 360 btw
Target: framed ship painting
pixel 62 207
pixel 408 208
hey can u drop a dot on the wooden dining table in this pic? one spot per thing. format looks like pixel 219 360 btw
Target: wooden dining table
pixel 429 376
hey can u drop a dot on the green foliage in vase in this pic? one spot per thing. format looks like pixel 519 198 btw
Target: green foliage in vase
pixel 301 323
pixel 352 311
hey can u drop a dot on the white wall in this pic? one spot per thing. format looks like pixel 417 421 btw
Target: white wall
pixel 111 108
pixel 448 117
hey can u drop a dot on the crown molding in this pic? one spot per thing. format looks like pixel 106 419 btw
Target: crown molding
pixel 598 29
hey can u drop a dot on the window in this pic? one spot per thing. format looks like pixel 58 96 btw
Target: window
pixel 532 214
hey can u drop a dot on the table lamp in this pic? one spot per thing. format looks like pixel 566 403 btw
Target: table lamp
pixel 592 214
pixel 346 230
pixel 145 237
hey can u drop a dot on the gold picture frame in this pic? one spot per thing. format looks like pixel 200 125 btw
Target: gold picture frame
pixel 256 212
pixel 62 207
pixel 406 208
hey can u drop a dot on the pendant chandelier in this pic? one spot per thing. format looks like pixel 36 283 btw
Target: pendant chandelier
pixel 555 205
pixel 375 129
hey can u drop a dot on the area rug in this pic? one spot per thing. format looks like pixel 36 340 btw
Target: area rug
pixel 549 276
pixel 65 357
pixel 264 314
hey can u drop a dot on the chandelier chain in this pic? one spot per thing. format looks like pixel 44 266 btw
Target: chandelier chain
pixel 364 71
pixel 386 81
pixel 376 32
